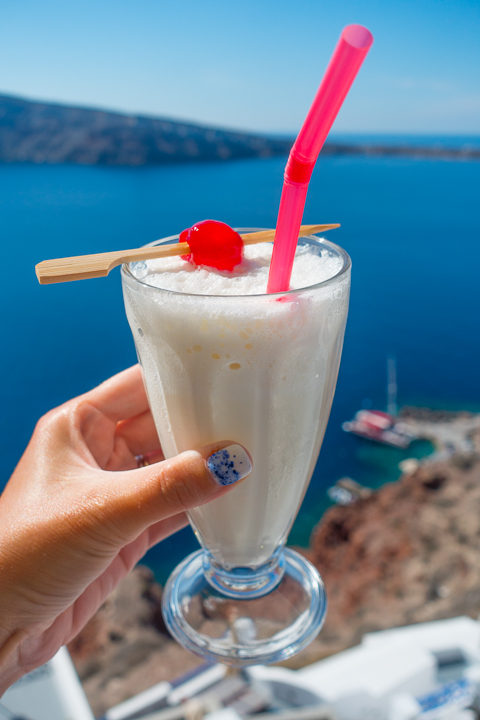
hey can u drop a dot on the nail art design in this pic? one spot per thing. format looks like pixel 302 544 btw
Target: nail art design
pixel 229 464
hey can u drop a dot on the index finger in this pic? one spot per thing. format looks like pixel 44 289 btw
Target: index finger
pixel 121 397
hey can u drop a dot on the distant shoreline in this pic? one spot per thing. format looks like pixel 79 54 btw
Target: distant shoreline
pixel 416 151
pixel 51 134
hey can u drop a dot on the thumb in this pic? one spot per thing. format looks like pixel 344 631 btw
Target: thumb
pixel 156 492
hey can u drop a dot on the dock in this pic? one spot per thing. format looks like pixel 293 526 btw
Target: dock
pixel 452 433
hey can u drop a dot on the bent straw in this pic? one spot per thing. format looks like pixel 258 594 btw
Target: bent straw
pixel 355 41
pixel 84 267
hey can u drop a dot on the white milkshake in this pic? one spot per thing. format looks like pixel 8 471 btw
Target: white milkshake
pixel 224 361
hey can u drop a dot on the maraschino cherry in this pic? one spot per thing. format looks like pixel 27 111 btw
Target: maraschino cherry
pixel 214 244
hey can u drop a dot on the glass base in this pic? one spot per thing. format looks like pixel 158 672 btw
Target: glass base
pixel 244 583
pixel 256 630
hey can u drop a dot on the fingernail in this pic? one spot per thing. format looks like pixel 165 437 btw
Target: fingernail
pixel 229 464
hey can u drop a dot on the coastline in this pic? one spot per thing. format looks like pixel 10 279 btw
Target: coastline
pixel 419 152
pixel 402 554
pixel 53 134
pixel 381 465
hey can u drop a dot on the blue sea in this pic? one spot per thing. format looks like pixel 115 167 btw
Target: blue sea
pixel 412 228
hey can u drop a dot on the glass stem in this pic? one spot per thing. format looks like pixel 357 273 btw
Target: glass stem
pixel 245 583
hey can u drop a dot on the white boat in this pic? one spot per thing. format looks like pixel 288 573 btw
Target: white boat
pixel 380 427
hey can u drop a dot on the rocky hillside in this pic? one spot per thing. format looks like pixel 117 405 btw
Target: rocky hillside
pixel 35 132
pixel 407 553
pixel 46 133
pixel 125 648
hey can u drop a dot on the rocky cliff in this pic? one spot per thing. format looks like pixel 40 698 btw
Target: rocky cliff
pixel 47 133
pixel 36 132
pixel 407 553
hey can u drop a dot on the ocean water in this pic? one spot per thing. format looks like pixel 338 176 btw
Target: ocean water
pixel 412 229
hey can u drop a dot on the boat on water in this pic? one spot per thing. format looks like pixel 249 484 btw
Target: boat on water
pixel 346 491
pixel 382 427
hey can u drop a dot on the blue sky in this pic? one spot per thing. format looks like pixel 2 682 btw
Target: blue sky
pixel 249 64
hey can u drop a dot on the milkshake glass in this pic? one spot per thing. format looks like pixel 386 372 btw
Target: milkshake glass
pixel 259 370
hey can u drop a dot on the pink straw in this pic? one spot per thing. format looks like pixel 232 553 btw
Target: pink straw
pixel 352 48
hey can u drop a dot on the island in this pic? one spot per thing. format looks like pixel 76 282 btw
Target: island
pixel 48 133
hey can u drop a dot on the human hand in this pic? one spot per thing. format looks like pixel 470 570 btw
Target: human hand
pixel 77 515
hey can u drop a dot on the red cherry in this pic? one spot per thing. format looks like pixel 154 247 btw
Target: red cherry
pixel 214 244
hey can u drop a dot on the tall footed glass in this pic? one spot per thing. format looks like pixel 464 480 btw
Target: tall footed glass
pixel 259 370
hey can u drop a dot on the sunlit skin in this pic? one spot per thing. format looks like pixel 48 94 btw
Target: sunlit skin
pixel 78 514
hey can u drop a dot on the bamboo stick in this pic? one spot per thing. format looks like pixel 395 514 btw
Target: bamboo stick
pixel 83 267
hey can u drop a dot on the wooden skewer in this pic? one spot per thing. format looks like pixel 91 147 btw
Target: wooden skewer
pixel 83 267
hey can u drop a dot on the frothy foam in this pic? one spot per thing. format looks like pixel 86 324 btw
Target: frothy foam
pixel 312 265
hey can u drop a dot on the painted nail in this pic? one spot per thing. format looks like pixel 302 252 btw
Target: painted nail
pixel 229 464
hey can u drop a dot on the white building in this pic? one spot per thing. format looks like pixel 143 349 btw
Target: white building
pixel 429 671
